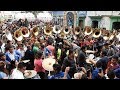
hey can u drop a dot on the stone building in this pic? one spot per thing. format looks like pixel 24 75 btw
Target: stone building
pixel 96 19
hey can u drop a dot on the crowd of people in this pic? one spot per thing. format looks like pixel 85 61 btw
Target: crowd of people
pixel 72 60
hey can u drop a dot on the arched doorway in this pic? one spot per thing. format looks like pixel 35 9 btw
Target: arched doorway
pixel 116 25
pixel 95 24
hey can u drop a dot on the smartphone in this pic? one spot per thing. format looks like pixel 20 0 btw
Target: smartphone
pixel 88 72
pixel 100 70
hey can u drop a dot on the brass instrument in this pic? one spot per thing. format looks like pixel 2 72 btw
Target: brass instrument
pixel 18 35
pixel 105 34
pixel 35 31
pixel 66 30
pixel 57 29
pixel 25 32
pixel 88 30
pixel 48 30
pixel 112 35
pixel 6 36
pixel 97 33
pixel 77 30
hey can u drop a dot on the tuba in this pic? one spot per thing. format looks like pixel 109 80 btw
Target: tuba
pixel 25 32
pixel 77 30
pixel 97 33
pixel 48 30
pixel 66 30
pixel 57 29
pixel 6 36
pixel 113 34
pixel 35 31
pixel 18 35
pixel 88 30
pixel 106 35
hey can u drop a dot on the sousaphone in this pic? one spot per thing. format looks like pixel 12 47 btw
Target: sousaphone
pixel 66 30
pixel 57 29
pixel 88 30
pixel 48 30
pixel 18 35
pixel 77 30
pixel 97 33
pixel 106 35
pixel 25 31
pixel 7 36
pixel 35 31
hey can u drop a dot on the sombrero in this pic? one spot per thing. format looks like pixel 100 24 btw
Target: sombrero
pixel 47 64
pixel 30 73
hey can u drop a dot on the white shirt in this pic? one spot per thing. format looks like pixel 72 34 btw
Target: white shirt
pixel 12 57
pixel 16 74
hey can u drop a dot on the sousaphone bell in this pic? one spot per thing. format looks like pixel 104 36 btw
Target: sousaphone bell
pixel 88 30
pixel 57 29
pixel 7 36
pixel 18 35
pixel 66 30
pixel 77 30
pixel 97 33
pixel 25 32
pixel 35 31
pixel 48 30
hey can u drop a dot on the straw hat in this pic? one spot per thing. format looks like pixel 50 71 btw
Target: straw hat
pixel 30 73
pixel 47 64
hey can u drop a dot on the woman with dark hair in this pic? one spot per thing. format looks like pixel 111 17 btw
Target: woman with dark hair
pixel 38 64
pixel 3 71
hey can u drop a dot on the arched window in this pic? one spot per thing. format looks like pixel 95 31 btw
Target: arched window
pixel 70 19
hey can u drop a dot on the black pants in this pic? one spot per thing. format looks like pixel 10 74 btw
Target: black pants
pixel 41 74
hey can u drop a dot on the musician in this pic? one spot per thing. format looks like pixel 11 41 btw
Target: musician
pixel 58 74
pixel 69 62
pixel 50 46
pixel 38 64
pixel 104 59
pixel 3 73
pixel 113 64
pixel 12 57
pixel 96 74
pixel 36 47
pixel 18 73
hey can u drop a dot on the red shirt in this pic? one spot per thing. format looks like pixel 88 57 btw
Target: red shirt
pixel 38 65
pixel 51 48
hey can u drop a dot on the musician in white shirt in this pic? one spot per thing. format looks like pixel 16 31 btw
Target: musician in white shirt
pixel 18 73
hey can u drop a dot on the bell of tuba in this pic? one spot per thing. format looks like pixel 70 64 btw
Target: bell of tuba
pixel 35 31
pixel 77 30
pixel 113 34
pixel 57 29
pixel 88 30
pixel 48 30
pixel 106 35
pixel 18 35
pixel 97 33
pixel 25 32
pixel 66 30
pixel 6 36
